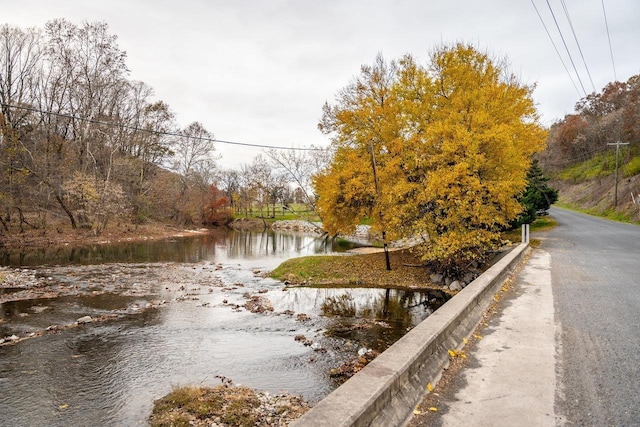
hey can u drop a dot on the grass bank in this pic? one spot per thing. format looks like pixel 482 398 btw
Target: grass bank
pixel 367 270
pixel 610 213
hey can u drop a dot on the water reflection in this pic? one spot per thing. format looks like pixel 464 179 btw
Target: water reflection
pixel 374 318
pixel 220 244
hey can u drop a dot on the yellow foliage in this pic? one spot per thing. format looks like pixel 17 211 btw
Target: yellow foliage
pixel 450 142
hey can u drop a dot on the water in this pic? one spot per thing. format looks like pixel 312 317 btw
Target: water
pixel 109 373
pixel 220 245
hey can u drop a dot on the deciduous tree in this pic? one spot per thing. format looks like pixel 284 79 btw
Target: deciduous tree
pixel 450 142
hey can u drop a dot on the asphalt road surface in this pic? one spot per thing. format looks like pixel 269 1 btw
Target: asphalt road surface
pixel 563 347
pixel 595 273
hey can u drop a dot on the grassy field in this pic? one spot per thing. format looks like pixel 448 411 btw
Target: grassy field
pixel 294 211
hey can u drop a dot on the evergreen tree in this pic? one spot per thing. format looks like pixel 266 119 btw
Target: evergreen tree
pixel 538 196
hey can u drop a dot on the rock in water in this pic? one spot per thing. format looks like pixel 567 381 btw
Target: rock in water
pixel 85 319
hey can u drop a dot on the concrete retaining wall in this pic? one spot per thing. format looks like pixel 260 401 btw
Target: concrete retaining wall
pixel 387 390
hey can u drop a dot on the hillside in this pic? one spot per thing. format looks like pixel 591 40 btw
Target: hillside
pixel 596 196
pixel 580 157
pixel 590 185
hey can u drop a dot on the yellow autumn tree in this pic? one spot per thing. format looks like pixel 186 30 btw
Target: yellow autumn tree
pixel 365 119
pixel 451 143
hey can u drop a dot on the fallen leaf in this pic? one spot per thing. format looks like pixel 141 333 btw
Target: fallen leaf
pixel 433 409
pixel 416 412
pixel 430 387
pixel 64 406
pixel 478 337
pixel 453 353
pixel 464 340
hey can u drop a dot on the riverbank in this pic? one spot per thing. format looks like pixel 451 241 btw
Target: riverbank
pixel 66 236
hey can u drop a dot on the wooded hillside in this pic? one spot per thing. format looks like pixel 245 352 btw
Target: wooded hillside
pixel 81 142
pixel 581 151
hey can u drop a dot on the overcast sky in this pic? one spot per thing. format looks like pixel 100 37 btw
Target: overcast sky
pixel 259 71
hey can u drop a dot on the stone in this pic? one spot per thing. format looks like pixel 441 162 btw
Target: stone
pixel 468 278
pixel 436 278
pixel 258 304
pixel 448 281
pixel 85 319
pixel 455 286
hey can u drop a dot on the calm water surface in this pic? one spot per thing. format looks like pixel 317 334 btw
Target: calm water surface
pixel 108 373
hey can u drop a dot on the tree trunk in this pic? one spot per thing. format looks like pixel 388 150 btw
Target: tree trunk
pixel 64 207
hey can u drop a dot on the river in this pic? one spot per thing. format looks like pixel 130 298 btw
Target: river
pixel 175 313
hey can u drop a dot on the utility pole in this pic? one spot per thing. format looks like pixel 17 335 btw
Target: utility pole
pixel 617 144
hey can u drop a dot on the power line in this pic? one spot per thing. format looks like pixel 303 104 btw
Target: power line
pixel 556 49
pixel 566 48
pixel 566 12
pixel 606 23
pixel 157 132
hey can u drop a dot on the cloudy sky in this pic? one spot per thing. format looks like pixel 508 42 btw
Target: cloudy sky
pixel 259 71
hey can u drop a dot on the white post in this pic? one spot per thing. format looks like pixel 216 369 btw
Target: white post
pixel 528 234
pixel 525 233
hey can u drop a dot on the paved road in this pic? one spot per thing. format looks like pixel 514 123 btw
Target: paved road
pixel 595 272
pixel 565 347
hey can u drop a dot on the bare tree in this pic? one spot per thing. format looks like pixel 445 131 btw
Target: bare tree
pixel 270 183
pixel 229 181
pixel 299 167
pixel 20 53
pixel 194 154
